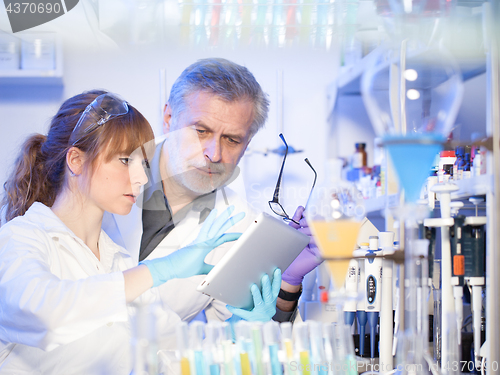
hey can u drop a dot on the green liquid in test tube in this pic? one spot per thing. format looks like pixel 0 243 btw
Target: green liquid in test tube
pixel 257 346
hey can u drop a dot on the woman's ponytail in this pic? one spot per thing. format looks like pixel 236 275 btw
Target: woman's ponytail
pixel 28 180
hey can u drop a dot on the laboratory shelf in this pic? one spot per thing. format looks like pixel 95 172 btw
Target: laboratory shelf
pixel 37 77
pixel 31 77
pixel 380 203
pixel 477 185
pixel 349 81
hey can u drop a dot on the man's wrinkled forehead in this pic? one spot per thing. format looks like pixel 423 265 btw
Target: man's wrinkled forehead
pixel 189 102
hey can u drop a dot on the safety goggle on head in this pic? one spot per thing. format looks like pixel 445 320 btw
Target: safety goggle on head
pixel 101 110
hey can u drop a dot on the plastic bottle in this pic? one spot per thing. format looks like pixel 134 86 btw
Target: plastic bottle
pixel 466 169
pixel 459 163
pixel 446 162
pixel 476 164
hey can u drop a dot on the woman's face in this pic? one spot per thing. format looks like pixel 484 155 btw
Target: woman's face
pixel 116 184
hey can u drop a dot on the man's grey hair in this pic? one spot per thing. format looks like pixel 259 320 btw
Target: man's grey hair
pixel 225 79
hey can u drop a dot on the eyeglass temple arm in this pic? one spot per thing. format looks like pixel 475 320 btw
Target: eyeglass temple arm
pixel 314 182
pixel 277 189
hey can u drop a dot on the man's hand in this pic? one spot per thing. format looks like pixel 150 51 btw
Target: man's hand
pixel 265 303
pixel 308 259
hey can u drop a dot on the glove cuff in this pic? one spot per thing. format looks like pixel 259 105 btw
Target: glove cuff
pixel 292 280
pixel 158 276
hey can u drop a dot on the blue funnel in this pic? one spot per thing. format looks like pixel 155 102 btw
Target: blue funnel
pixel 412 156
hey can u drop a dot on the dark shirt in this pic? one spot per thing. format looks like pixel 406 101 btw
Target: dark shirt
pixel 157 220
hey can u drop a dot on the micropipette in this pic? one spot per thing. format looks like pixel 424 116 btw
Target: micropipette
pixel 361 306
pixel 386 243
pixel 351 286
pixel 447 303
pixel 373 271
pixel 396 304
pixel 474 248
pixel 458 271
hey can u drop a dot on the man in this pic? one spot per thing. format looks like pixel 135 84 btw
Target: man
pixel 214 109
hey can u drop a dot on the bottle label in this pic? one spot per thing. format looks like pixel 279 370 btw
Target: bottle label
pixel 357 160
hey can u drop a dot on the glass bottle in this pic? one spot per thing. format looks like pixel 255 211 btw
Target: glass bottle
pixel 359 159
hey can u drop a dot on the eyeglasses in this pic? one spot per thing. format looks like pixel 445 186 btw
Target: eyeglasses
pixel 101 110
pixel 276 207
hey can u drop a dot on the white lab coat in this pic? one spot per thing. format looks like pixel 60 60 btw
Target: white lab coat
pixel 62 310
pixel 179 294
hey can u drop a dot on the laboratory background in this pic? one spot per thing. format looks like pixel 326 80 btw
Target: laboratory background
pixel 396 105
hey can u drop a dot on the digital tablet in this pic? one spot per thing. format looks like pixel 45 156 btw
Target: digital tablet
pixel 267 244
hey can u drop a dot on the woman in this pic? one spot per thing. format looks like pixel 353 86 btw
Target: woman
pixel 64 285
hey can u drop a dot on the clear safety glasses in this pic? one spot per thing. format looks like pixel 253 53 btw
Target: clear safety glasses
pixel 276 207
pixel 101 110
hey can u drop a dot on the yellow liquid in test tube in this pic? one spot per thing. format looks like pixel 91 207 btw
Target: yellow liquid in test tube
pixel 304 361
pixel 185 370
pixel 246 369
pixel 336 239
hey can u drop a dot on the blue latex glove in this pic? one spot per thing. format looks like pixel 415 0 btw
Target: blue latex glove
pixel 308 259
pixel 190 260
pixel 265 304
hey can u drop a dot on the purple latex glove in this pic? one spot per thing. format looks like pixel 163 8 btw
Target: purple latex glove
pixel 308 259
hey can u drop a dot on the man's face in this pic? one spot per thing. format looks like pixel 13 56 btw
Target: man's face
pixel 206 140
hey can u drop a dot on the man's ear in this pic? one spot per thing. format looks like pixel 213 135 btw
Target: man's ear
pixel 75 160
pixel 167 117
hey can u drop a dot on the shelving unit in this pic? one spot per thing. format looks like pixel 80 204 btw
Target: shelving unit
pixel 36 77
pixel 488 185
pixel 349 81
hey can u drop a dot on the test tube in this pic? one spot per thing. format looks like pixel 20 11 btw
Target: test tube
pixel 212 347
pixel 227 348
pixel 345 349
pixel 302 346
pixel 271 340
pixel 196 342
pixel 287 346
pixel 257 347
pixel 318 356
pixel 245 346
pixel 182 335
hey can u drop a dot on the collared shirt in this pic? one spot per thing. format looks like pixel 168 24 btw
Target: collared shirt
pixel 157 220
